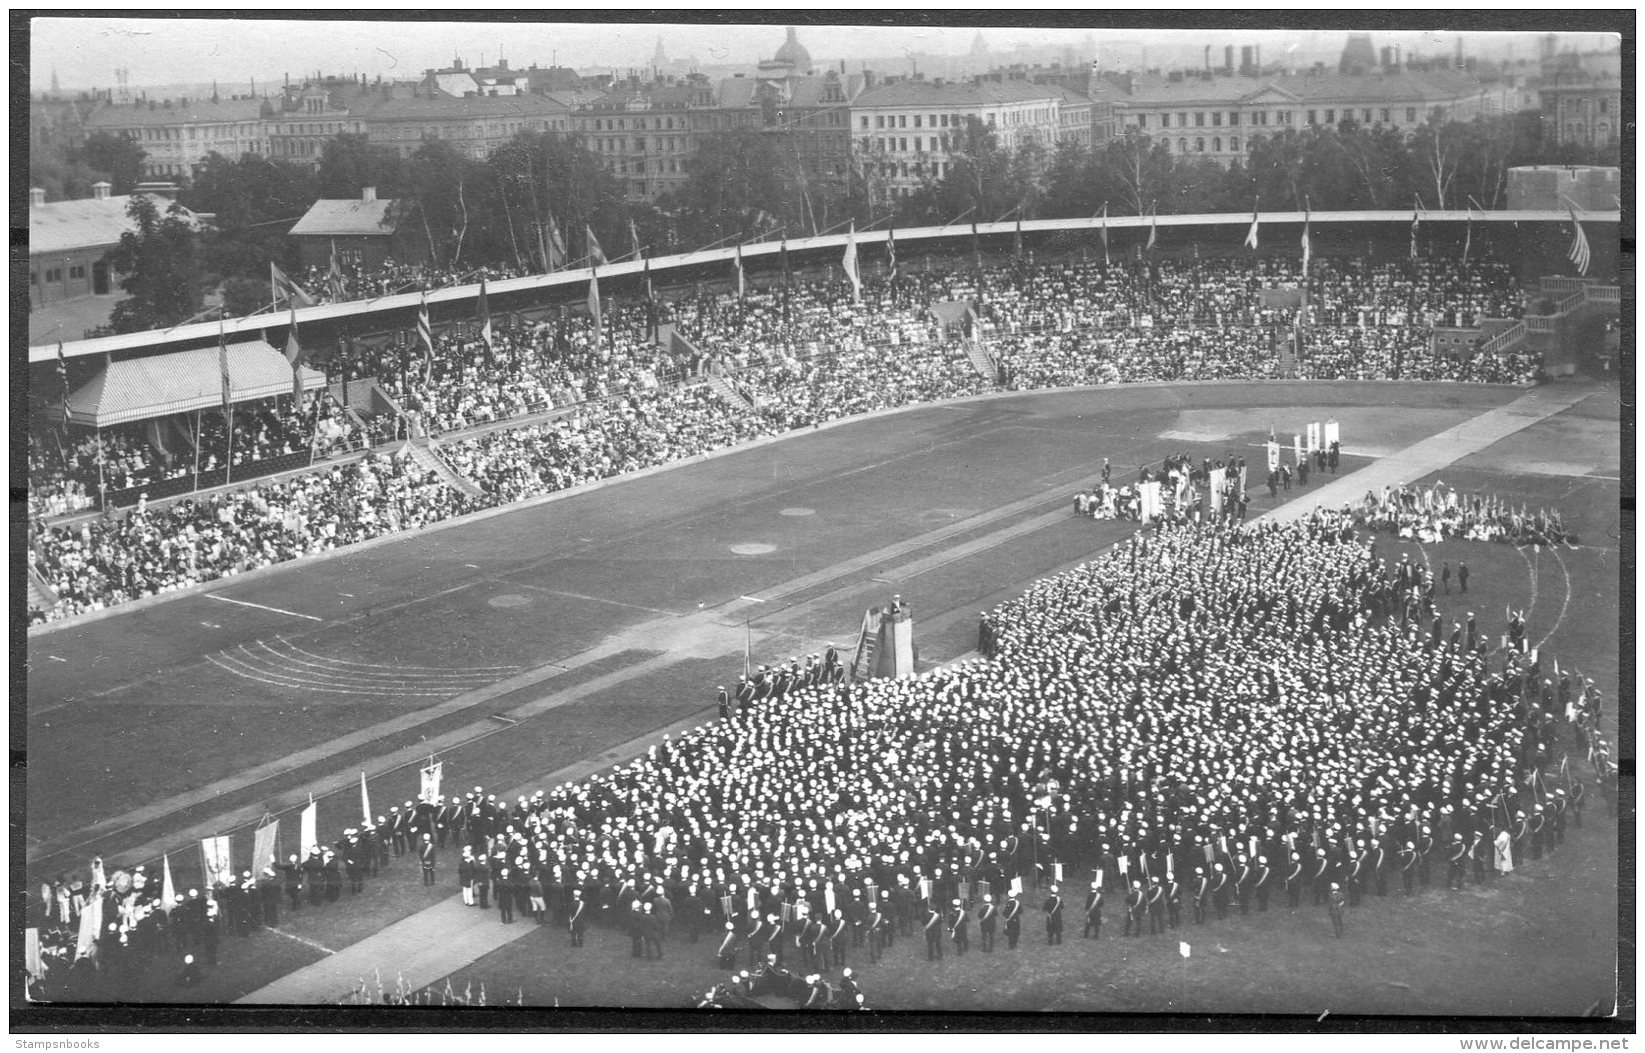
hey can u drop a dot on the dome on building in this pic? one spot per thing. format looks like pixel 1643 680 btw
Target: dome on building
pixel 793 53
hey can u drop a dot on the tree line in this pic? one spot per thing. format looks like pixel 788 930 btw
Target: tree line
pixel 529 203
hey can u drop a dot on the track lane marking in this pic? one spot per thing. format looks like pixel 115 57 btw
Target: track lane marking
pixel 262 607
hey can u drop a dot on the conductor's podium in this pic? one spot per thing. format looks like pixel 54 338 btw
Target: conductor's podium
pixel 885 644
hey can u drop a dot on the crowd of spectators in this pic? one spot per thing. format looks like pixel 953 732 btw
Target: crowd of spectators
pixel 352 282
pixel 813 353
pixel 114 559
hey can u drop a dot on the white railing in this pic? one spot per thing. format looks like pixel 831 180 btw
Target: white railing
pixel 1506 340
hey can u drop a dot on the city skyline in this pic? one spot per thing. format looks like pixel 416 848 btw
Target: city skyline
pixel 83 54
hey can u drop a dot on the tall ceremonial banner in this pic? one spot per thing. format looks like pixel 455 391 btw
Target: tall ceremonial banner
pixel 365 802
pixel 1151 507
pixel 216 860
pixel 431 781
pixel 265 845
pixel 1273 456
pixel 1331 433
pixel 309 829
pixel 1296 446
pixel 1219 479
pixel 91 925
pixel 31 953
pixel 1313 436
pixel 168 887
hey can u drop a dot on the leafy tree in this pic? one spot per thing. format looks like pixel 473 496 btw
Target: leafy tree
pixel 162 268
pixel 118 158
pixel 256 201
pixel 350 162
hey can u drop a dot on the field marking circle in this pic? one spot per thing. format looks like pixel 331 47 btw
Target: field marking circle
pixel 798 512
pixel 753 548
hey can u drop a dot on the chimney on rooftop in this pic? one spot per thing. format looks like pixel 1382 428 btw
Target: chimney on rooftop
pixel 100 190
pixel 1228 58
pixel 37 197
pixel 368 194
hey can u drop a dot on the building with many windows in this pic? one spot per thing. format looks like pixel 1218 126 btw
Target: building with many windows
pixel 177 136
pixel 474 126
pixel 909 131
pixel 644 133
pixel 1216 116
pixel 1581 97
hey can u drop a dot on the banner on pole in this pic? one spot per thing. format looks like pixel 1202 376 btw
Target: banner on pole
pixel 431 781
pixel 1273 456
pixel 1183 949
pixel 265 845
pixel 216 860
pixel 1331 433
pixel 91 924
pixel 1313 436
pixel 1016 886
pixel 309 829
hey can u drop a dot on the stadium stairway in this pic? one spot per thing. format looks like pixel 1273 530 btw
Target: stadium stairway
pixel 981 361
pixel 1287 359
pixel 421 452
pixel 40 595
pixel 728 392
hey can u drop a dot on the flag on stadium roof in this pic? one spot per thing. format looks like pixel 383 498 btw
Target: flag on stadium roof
pixel 594 302
pixel 1103 229
pixel 1307 244
pixel 596 255
pixel 850 263
pixel 1416 219
pixel 425 336
pixel 484 310
pixel 1153 228
pixel 294 355
pixel 1579 254
pixel 742 287
pixel 334 274
pixel 284 289
pixel 634 236
pixel 1468 239
pixel 1251 235
pixel 222 367
pixel 63 378
pixel 891 252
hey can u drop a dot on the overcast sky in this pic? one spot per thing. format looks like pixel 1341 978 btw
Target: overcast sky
pixel 85 52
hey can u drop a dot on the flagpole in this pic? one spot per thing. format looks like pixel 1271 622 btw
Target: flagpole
pixel 199 437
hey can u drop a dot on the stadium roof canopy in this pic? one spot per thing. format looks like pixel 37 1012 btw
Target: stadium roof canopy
pixel 143 388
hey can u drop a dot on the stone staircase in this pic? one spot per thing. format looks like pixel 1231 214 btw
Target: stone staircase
pixel 981 360
pixel 728 393
pixel 1286 346
pixel 424 455
pixel 40 595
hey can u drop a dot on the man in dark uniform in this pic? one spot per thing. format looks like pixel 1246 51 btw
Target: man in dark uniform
pixel 1156 908
pixel 1293 881
pixel 1136 902
pixel 269 891
pixel 1173 900
pixel 1053 917
pixel 836 937
pixel 933 934
pixel 578 922
pixel 397 830
pixel 425 853
pixel 1462 576
pixel 959 928
pixel 1336 904
pixel 987 919
pixel 1456 856
pixel 293 875
pixel 1012 915
pixel 724 703
pixel 1201 891
pixel 1261 882
pixel 877 926
pixel 1093 913
pixel 505 896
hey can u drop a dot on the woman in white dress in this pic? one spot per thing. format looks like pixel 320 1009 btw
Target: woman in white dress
pixel 1504 853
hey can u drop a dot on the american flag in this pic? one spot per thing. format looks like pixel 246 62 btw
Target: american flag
pixel 1579 254
pixel 425 336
